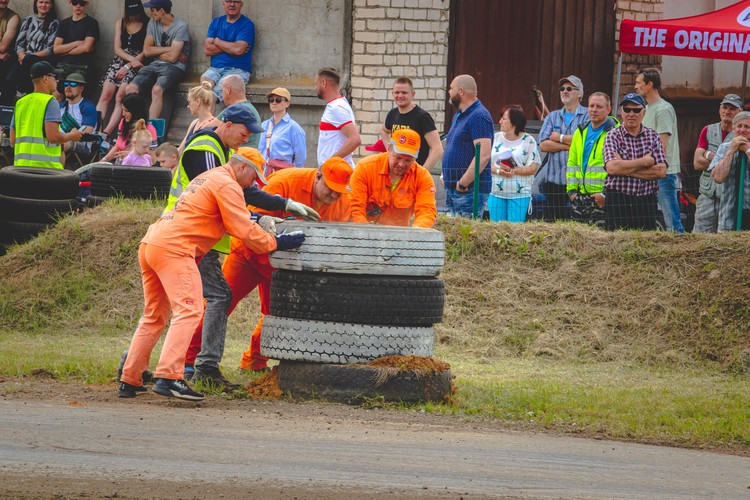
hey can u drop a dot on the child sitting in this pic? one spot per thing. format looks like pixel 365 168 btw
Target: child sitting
pixel 141 142
pixel 167 156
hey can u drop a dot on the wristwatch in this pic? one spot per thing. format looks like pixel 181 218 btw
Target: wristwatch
pixel 462 187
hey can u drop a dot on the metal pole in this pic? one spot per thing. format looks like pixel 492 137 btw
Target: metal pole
pixel 744 81
pixel 616 97
pixel 741 190
pixel 477 149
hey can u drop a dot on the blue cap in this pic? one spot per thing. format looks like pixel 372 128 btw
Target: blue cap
pixel 158 4
pixel 239 113
pixel 634 98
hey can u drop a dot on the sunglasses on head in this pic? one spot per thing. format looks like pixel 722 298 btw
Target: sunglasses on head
pixel 631 110
pixel 277 99
pixel 568 89
pixel 82 3
pixel 71 84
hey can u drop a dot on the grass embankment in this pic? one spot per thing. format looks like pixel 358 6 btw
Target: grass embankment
pixel 558 326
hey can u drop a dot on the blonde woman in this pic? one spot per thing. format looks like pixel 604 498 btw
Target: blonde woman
pixel 199 103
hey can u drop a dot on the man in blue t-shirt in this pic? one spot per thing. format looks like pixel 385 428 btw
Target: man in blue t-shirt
pixel 472 125
pixel 229 43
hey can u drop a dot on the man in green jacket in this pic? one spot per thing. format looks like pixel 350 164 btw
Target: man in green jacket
pixel 35 127
pixel 585 174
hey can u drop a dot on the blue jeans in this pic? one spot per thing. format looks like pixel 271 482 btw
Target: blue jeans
pixel 462 204
pixel 218 297
pixel 218 75
pixel 670 207
pixel 510 209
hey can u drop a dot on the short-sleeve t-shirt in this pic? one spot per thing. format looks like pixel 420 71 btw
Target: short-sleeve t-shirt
pixel 417 120
pixel 338 113
pixel 242 30
pixel 176 32
pixel 660 116
pixel 51 114
pixel 71 31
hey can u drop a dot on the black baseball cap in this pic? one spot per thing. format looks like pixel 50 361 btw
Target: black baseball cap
pixel 41 68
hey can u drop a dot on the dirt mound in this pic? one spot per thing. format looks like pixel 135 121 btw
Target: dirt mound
pixel 570 291
pixel 410 362
pixel 266 387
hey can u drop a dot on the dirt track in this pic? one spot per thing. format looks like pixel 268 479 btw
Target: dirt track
pixel 62 440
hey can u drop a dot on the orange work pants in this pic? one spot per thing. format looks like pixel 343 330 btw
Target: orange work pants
pixel 244 271
pixel 171 282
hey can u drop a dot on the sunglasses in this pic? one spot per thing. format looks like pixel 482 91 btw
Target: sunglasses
pixel 631 110
pixel 164 39
pixel 568 89
pixel 71 84
pixel 82 3
pixel 277 99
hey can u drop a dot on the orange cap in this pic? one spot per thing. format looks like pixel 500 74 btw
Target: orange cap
pixel 336 173
pixel 252 157
pixel 406 142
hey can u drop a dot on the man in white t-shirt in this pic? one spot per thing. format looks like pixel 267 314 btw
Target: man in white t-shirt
pixel 338 130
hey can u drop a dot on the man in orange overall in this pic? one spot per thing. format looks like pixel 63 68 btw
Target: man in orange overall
pixel 210 206
pixel 389 188
pixel 327 191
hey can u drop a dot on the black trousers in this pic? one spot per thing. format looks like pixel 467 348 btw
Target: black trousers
pixel 557 205
pixel 623 211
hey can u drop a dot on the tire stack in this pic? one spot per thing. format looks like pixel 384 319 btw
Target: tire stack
pixel 109 180
pixel 32 199
pixel 350 294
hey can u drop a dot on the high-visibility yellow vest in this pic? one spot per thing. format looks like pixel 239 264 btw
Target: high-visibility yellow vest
pixel 32 148
pixel 203 142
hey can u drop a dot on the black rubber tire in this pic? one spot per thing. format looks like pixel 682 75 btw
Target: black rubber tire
pixel 29 210
pixel 324 342
pixel 19 232
pixel 38 182
pixel 369 300
pixel 92 201
pixel 129 181
pixel 353 383
pixel 350 248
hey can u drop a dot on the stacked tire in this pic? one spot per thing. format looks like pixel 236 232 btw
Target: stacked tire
pixel 350 294
pixel 33 199
pixel 109 180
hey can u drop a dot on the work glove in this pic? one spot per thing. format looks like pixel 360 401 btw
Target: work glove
pixel 301 210
pixel 268 223
pixel 289 241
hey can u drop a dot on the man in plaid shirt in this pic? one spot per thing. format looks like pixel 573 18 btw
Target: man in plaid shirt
pixel 634 160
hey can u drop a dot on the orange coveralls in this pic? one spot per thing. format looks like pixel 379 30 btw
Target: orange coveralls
pixel 211 205
pixel 413 195
pixel 244 268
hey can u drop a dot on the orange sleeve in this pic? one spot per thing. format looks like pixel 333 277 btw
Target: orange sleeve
pixel 425 211
pixel 359 196
pixel 236 219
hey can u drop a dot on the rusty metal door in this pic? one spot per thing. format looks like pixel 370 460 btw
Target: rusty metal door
pixel 512 46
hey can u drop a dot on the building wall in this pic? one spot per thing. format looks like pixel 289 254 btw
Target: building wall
pixel 393 38
pixel 642 10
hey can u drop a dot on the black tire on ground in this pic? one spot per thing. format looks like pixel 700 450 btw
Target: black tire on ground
pixel 30 210
pixel 352 383
pixel 321 342
pixel 38 182
pixel 369 300
pixel 134 182
pixel 345 247
pixel 22 231
pixel 92 200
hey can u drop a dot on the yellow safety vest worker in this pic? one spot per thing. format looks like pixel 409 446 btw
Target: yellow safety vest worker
pixel 202 142
pixel 32 148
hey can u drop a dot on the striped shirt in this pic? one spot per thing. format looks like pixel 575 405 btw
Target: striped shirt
pixel 32 39
pixel 631 147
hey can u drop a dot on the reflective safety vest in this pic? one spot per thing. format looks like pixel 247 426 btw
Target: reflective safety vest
pixel 199 142
pixel 590 180
pixel 32 148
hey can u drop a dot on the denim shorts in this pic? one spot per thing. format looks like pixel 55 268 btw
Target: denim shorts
pixel 218 75
pixel 162 75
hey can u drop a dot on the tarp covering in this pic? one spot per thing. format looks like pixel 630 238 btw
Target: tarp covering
pixel 722 34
